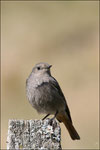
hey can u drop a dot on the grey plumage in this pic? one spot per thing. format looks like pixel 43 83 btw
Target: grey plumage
pixel 46 96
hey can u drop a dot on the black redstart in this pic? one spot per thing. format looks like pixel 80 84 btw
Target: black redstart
pixel 46 96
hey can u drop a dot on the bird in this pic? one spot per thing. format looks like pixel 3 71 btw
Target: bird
pixel 45 95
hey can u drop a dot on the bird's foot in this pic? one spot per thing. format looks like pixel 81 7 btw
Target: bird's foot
pixel 51 121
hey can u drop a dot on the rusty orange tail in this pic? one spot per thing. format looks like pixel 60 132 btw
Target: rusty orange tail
pixel 72 131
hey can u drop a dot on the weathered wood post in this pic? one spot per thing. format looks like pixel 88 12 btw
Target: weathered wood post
pixel 33 134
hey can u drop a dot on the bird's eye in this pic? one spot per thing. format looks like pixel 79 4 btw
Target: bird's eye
pixel 38 68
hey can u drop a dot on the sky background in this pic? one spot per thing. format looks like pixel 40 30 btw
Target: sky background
pixel 66 35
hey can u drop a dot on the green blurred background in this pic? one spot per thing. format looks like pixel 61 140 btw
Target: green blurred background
pixel 66 35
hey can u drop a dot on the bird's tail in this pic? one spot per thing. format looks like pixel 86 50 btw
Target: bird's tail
pixel 72 131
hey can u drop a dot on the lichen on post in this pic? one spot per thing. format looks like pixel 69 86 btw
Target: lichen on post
pixel 33 134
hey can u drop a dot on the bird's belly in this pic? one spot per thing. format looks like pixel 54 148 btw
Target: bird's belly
pixel 45 102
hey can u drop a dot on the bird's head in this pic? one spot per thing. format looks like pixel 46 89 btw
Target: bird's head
pixel 42 68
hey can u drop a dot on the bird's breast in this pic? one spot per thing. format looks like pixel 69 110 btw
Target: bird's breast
pixel 43 96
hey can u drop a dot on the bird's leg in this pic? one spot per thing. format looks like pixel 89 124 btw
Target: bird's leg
pixel 46 116
pixel 51 120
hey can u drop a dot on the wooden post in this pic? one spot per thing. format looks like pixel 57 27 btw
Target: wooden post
pixel 33 134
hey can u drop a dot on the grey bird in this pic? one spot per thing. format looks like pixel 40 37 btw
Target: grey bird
pixel 46 96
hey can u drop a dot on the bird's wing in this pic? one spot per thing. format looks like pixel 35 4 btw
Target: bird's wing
pixel 54 84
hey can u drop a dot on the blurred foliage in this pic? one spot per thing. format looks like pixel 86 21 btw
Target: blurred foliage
pixel 66 35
